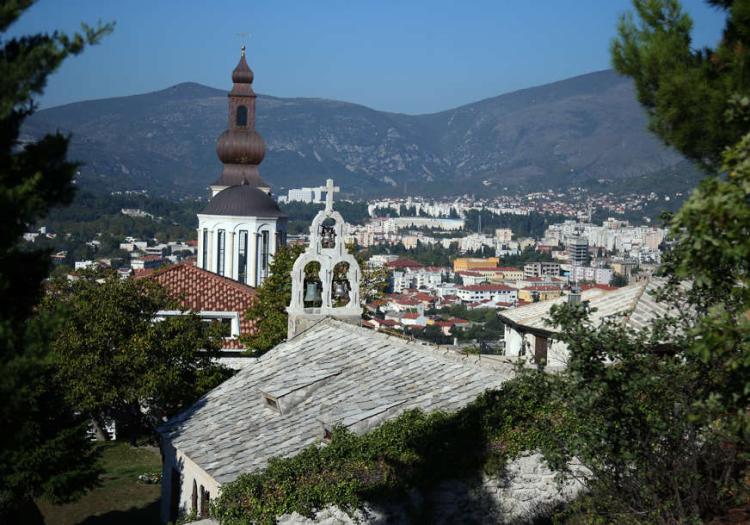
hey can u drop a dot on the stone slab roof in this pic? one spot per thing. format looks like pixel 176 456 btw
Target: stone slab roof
pixel 634 302
pixel 333 373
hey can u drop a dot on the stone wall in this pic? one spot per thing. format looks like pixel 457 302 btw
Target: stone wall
pixel 527 490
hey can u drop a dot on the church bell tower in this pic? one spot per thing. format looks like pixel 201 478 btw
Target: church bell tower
pixel 240 148
pixel 325 278
pixel 241 228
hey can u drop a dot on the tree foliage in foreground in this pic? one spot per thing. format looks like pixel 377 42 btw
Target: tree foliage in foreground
pixel 688 92
pixel 269 307
pixel 117 363
pixel 43 450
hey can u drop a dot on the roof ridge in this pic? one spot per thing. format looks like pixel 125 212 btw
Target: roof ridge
pixel 636 300
pixel 442 353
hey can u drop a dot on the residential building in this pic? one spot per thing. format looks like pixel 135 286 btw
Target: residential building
pixel 503 235
pixel 482 292
pixel 541 269
pixel 578 251
pixel 587 273
pixel 469 263
pixel 528 331
pixel 533 294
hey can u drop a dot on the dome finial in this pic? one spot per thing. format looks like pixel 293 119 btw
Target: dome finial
pixel 243 51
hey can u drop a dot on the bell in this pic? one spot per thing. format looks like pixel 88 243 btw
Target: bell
pixel 340 290
pixel 312 293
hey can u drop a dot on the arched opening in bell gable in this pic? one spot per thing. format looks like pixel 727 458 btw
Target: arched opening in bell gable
pixel 313 287
pixel 341 286
pixel 328 233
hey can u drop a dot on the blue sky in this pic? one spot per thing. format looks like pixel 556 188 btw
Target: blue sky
pixel 414 56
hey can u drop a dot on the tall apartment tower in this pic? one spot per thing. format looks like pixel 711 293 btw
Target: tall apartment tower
pixel 578 251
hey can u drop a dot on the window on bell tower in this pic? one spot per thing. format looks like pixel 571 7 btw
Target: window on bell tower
pixel 241 119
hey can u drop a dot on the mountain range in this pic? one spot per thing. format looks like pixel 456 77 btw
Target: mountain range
pixel 586 130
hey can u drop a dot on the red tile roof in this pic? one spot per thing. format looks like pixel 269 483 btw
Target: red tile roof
pixel 404 262
pixel 410 315
pixel 470 274
pixel 509 269
pixel 407 301
pixel 199 290
pixel 543 288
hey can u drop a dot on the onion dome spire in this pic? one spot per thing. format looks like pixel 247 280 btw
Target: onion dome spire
pixel 240 148
pixel 242 74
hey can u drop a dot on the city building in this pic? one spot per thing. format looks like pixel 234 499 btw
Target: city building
pixel 469 263
pixel 483 292
pixel 528 331
pixel 539 292
pixel 578 251
pixel 541 269
pixel 503 235
pixel 212 298
pixel 307 195
pixel 417 278
pixel 587 273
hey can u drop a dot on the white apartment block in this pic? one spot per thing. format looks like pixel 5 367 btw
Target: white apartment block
pixel 541 269
pixel 587 273
pixel 613 235
pixel 422 278
pixel 483 292
pixel 503 235
pixel 308 195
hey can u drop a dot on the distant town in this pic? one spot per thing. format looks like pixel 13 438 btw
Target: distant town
pixel 445 263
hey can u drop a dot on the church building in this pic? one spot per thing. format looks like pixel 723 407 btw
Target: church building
pixel 331 371
pixel 241 227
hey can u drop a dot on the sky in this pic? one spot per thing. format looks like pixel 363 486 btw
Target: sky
pixel 416 56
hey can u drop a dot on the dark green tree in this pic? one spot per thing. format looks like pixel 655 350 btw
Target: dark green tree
pixel 688 92
pixel 269 307
pixel 117 363
pixel 663 412
pixel 43 450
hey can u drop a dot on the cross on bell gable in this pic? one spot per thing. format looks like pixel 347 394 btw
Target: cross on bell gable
pixel 329 188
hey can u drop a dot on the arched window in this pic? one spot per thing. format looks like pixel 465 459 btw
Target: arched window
pixel 194 499
pixel 242 258
pixel 205 503
pixel 241 118
pixel 220 248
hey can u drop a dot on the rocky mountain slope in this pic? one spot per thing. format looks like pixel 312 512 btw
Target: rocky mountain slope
pixel 571 132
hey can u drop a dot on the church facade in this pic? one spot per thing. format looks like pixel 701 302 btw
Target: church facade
pixel 241 228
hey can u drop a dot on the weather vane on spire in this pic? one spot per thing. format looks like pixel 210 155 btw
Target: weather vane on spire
pixel 243 36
